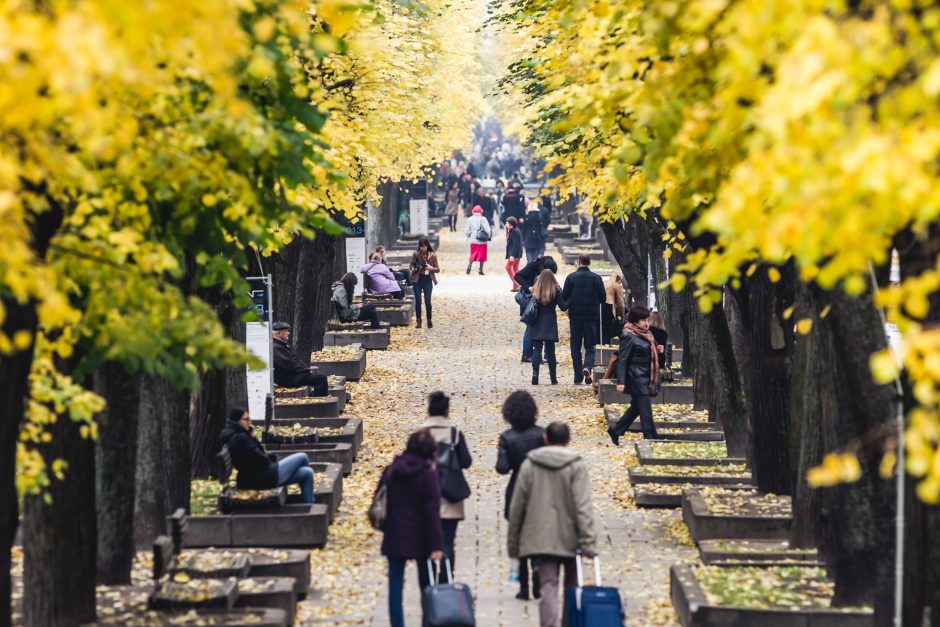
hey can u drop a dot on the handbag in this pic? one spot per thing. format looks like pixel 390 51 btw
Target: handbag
pixel 379 507
pixel 482 235
pixel 522 297
pixel 531 311
pixel 454 486
pixel 447 604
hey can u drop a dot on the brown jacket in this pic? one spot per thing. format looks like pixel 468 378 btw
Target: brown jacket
pixel 551 511
pixel 433 268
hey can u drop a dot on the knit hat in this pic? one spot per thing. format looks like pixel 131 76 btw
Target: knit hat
pixel 478 209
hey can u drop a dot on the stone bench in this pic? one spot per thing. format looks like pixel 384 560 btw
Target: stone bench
pixel 706 525
pixel 352 369
pixel 680 393
pixel 370 339
pixel 312 406
pixel 396 316
pixel 321 452
pixel 646 456
pixel 349 430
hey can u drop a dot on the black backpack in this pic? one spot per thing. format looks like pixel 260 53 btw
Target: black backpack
pixel 454 485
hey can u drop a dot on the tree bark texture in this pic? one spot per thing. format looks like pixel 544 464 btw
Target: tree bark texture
pixel 59 539
pixel 315 275
pixel 150 502
pixel 178 470
pixel 382 221
pixel 765 361
pixel 115 457
pixel 629 242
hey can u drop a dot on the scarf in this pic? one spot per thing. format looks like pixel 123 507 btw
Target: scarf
pixel 654 353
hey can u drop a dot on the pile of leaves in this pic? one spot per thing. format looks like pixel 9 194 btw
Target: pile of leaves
pixel 735 470
pixel 782 587
pixel 745 503
pixel 689 450
pixel 337 353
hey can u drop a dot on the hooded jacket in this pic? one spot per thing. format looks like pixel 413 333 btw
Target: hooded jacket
pixel 380 278
pixel 413 519
pixel 256 471
pixel 551 511
pixel 345 310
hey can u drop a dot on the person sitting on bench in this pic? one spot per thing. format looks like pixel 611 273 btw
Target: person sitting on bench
pixel 289 370
pixel 258 470
pixel 378 279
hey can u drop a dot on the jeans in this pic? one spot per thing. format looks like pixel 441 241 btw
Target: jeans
pixel 549 357
pixel 583 331
pixel 531 254
pixel 368 312
pixel 526 343
pixel 319 383
pixel 449 525
pixel 423 286
pixel 639 406
pixel 296 469
pixel 548 576
pixel 396 585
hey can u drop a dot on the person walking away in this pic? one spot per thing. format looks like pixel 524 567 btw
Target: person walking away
pixel 485 201
pixel 520 412
pixel 478 232
pixel 256 469
pixel 584 292
pixel 343 302
pixel 499 191
pixel 424 269
pixel 513 251
pixel 444 431
pixel 412 529
pixel 452 206
pixel 526 279
pixel 289 370
pixel 379 278
pixel 544 331
pixel 513 205
pixel 551 517
pixel 534 240
pixel 661 336
pixel 613 309
pixel 637 373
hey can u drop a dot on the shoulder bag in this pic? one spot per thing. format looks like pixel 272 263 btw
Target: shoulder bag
pixel 454 486
pixel 379 507
pixel 531 311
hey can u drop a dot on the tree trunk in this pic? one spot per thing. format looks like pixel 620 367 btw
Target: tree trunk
pixel 150 504
pixel 676 312
pixel 178 469
pixel 767 342
pixel 382 220
pixel 59 539
pixel 315 274
pixel 115 457
pixel 659 268
pixel 629 242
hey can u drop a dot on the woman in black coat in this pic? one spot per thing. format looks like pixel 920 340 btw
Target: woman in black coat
pixel 520 411
pixel 637 373
pixel 544 331
pixel 534 238
pixel 513 250
pixel 412 528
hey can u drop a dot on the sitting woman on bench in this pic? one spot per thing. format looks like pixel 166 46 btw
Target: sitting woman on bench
pixel 256 469
pixel 343 302
pixel 378 279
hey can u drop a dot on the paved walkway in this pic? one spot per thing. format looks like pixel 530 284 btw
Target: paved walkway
pixel 472 353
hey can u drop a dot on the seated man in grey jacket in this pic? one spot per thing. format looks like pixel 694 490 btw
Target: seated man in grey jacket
pixel 551 518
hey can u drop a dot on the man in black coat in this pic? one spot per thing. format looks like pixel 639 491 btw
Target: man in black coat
pixel 486 203
pixel 289 370
pixel 513 205
pixel 526 279
pixel 584 292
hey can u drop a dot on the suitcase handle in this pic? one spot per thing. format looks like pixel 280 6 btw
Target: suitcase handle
pixel 436 581
pixel 579 568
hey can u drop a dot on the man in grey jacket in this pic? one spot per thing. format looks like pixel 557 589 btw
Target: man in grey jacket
pixel 551 517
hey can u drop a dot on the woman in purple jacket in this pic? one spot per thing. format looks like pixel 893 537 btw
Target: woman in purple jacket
pixel 378 279
pixel 412 529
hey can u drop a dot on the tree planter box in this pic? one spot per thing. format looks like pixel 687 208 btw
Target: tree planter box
pixel 755 552
pixel 678 393
pixel 312 407
pixel 330 453
pixel 287 526
pixel 643 474
pixel 398 316
pixel 666 495
pixel 217 594
pixel 351 430
pixel 603 353
pixel 352 369
pixel 607 393
pixel 704 525
pixel 694 610
pixel 272 592
pixel 339 393
pixel 612 415
pixel 328 488
pixel 645 451
pixel 370 339
pixel 282 563
pixel 254 617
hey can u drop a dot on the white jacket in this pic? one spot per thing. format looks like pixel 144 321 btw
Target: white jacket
pixel 475 224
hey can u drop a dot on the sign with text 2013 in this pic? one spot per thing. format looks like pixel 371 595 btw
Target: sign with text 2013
pixel 260 297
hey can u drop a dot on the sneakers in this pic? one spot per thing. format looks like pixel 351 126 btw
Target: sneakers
pixel 586 375
pixel 614 437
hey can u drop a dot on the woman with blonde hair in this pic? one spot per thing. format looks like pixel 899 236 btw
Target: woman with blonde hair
pixel 544 331
pixel 613 309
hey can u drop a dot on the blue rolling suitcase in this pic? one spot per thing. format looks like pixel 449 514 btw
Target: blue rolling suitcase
pixel 593 606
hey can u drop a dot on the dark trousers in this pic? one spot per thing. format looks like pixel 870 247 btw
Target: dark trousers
pixel 396 587
pixel 609 326
pixel 449 526
pixel 549 356
pixel 524 579
pixel 583 332
pixel 526 343
pixel 318 382
pixel 452 222
pixel 423 286
pixel 368 312
pixel 398 295
pixel 639 406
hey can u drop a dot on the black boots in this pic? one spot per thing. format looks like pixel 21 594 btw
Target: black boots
pixel 469 266
pixel 481 267
pixel 523 594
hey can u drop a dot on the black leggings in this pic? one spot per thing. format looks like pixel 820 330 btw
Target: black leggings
pixel 452 222
pixel 368 312
pixel 425 286
pixel 639 406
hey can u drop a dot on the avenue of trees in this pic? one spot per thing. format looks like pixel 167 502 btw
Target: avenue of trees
pixel 151 156
pixel 768 157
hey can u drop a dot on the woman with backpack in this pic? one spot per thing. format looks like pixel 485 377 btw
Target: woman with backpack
pixel 342 300
pixel 543 330
pixel 478 231
pixel 447 436
pixel 412 525
pixel 520 412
